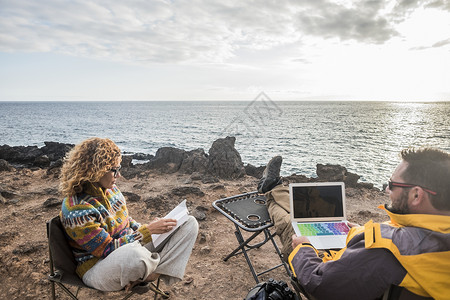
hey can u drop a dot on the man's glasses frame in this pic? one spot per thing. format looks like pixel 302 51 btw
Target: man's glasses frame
pixel 116 171
pixel 392 184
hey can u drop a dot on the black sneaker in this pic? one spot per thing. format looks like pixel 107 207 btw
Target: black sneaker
pixel 271 175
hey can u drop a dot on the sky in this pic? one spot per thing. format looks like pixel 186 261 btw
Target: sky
pixel 225 50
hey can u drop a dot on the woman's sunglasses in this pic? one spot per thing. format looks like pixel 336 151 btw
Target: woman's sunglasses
pixel 116 171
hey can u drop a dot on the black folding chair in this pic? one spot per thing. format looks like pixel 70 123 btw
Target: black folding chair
pixel 249 212
pixel 63 265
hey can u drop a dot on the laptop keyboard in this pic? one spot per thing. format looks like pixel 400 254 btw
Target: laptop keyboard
pixel 317 229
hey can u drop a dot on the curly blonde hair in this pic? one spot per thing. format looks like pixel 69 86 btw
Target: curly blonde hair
pixel 87 162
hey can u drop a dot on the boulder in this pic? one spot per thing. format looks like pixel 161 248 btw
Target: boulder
pixel 194 161
pixel 331 172
pixel 8 195
pixel 52 202
pixel 293 178
pixel 41 161
pixel 156 204
pixel 351 179
pixel 5 166
pixel 209 179
pixel 32 156
pixel 142 156
pixel 187 190
pixel 224 160
pixel 339 173
pixel 366 185
pixel 19 154
pixel 256 172
pixel 55 150
pixel 126 161
pixel 200 213
pixel 167 160
pixel 131 197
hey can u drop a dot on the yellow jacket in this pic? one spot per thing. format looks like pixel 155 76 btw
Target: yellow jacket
pixel 364 269
pixel 421 243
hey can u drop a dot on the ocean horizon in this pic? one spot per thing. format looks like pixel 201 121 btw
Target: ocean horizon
pixel 364 137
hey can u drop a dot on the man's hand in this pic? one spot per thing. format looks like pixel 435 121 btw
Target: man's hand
pixel 351 225
pixel 159 226
pixel 297 240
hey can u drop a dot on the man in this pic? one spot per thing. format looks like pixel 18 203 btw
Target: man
pixel 412 250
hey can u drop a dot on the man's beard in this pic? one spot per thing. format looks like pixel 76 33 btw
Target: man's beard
pixel 401 206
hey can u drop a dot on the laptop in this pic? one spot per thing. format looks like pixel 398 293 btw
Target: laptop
pixel 318 212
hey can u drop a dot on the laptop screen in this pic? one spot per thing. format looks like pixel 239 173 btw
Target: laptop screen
pixel 317 201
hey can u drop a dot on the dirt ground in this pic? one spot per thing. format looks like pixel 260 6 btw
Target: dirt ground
pixel 30 198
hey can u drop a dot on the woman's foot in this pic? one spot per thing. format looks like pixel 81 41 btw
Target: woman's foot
pixel 150 278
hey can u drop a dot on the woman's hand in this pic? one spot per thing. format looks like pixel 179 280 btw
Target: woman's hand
pixel 159 226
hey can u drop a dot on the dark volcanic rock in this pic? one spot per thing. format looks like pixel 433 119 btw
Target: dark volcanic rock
pixel 126 161
pixel 132 197
pixel 224 160
pixel 296 178
pixel 339 173
pixel 194 161
pixel 51 202
pixel 55 150
pixel 19 154
pixel 8 194
pixel 331 172
pixel 28 248
pixel 187 190
pixel 200 213
pixel 41 161
pixel 142 156
pixel 32 156
pixel 167 160
pixel 351 179
pixel 209 179
pixel 5 166
pixel 256 172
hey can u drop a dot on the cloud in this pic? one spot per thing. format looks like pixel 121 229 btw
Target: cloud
pixel 362 22
pixel 180 31
pixel 403 9
pixel 157 31
pixel 441 43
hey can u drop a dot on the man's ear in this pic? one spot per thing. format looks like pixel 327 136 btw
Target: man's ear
pixel 417 199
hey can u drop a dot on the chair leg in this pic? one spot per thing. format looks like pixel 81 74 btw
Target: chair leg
pixel 286 267
pixel 243 244
pixel 157 291
pixel 157 286
pixel 68 292
pixel 53 290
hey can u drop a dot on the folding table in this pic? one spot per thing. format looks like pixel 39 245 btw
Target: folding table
pixel 249 212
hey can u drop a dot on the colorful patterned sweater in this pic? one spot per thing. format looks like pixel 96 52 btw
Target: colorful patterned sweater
pixel 97 223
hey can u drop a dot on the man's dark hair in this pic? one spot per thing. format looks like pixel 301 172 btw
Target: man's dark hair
pixel 429 168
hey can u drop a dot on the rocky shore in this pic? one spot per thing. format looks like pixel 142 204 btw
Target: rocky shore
pixel 153 184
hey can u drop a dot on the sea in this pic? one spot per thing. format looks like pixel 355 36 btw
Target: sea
pixel 365 137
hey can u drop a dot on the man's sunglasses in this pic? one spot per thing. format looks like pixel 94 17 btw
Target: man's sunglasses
pixel 116 171
pixel 391 184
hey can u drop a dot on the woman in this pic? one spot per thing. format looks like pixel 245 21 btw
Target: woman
pixel 112 250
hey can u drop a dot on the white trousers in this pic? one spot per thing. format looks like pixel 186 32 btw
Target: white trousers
pixel 133 261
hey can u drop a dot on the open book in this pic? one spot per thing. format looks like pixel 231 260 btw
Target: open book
pixel 179 213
